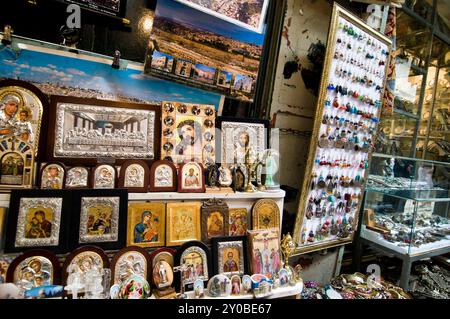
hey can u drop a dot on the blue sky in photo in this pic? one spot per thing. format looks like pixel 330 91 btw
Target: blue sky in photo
pixel 157 54
pixel 228 74
pixel 205 68
pixel 188 16
pixel 70 72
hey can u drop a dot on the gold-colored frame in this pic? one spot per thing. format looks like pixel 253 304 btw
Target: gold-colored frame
pixel 136 208
pixel 338 12
pixel 170 210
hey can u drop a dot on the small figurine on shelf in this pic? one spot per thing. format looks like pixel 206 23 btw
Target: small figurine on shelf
pixel 75 281
pixel 181 269
pixel 7 31
pixel 271 160
pixel 250 165
pixel 116 60
pixel 287 249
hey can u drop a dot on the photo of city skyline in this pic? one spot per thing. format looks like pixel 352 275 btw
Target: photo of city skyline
pixel 61 75
pixel 195 38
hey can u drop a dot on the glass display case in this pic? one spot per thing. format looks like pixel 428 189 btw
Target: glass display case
pixel 407 205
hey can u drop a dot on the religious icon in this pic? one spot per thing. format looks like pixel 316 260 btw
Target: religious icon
pixel 199 288
pixel 99 219
pixel 182 223
pixel 162 275
pixel 134 175
pixel 191 178
pixel 236 285
pixel 219 286
pixel 265 251
pixel 104 177
pixel 214 219
pixel 128 262
pixel 266 214
pixel 163 177
pixel 195 264
pixel 146 222
pixel 136 287
pixel 238 221
pixel 77 177
pixel 230 255
pixel 38 222
pixel 52 176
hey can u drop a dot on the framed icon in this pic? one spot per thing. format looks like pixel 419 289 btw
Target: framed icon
pixel 163 177
pixel 53 176
pixel 134 176
pixel 38 219
pixel 182 223
pixel 104 176
pixel 215 219
pixel 34 268
pixel 77 177
pixel 191 178
pixel 265 251
pixel 230 255
pixel 195 260
pixel 266 214
pixel 239 222
pixel 128 262
pixel 146 224
pixel 99 218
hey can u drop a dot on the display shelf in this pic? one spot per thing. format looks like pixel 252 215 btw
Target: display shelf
pixel 406 113
pixel 277 293
pixel 434 195
pixel 377 238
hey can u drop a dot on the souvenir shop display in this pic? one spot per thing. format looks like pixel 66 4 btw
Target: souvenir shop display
pixel 38 219
pixel 183 223
pixel 53 176
pixel 146 224
pixel 83 130
pixel 431 281
pixel 32 269
pixel 266 214
pixel 188 133
pixel 103 176
pixel 214 219
pixel 191 178
pixel 344 131
pixel 79 267
pixel 128 262
pixel 163 177
pixel 99 218
pixel 22 110
pixel 134 175
pixel 230 255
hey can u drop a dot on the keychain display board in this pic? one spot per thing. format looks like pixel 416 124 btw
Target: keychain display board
pixel 349 105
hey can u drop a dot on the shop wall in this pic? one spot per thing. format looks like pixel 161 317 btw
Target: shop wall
pixel 294 100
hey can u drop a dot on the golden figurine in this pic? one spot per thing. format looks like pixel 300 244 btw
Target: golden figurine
pixel 287 246
pixel 250 165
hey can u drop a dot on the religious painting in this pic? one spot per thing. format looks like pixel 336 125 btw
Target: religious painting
pixel 191 178
pixel 37 219
pixel 35 268
pixel 163 254
pixel 246 14
pixel 266 214
pixel 16 164
pixel 136 287
pixel 240 135
pixel 193 257
pixel 236 285
pixel 182 223
pixel 188 133
pixel 265 251
pixel 163 177
pixel 214 219
pixel 239 221
pixel 146 224
pixel 229 254
pixel 99 218
pixel 77 177
pixel 104 177
pixel 21 110
pixel 53 176
pixel 128 262
pixel 88 129
pixel 134 175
